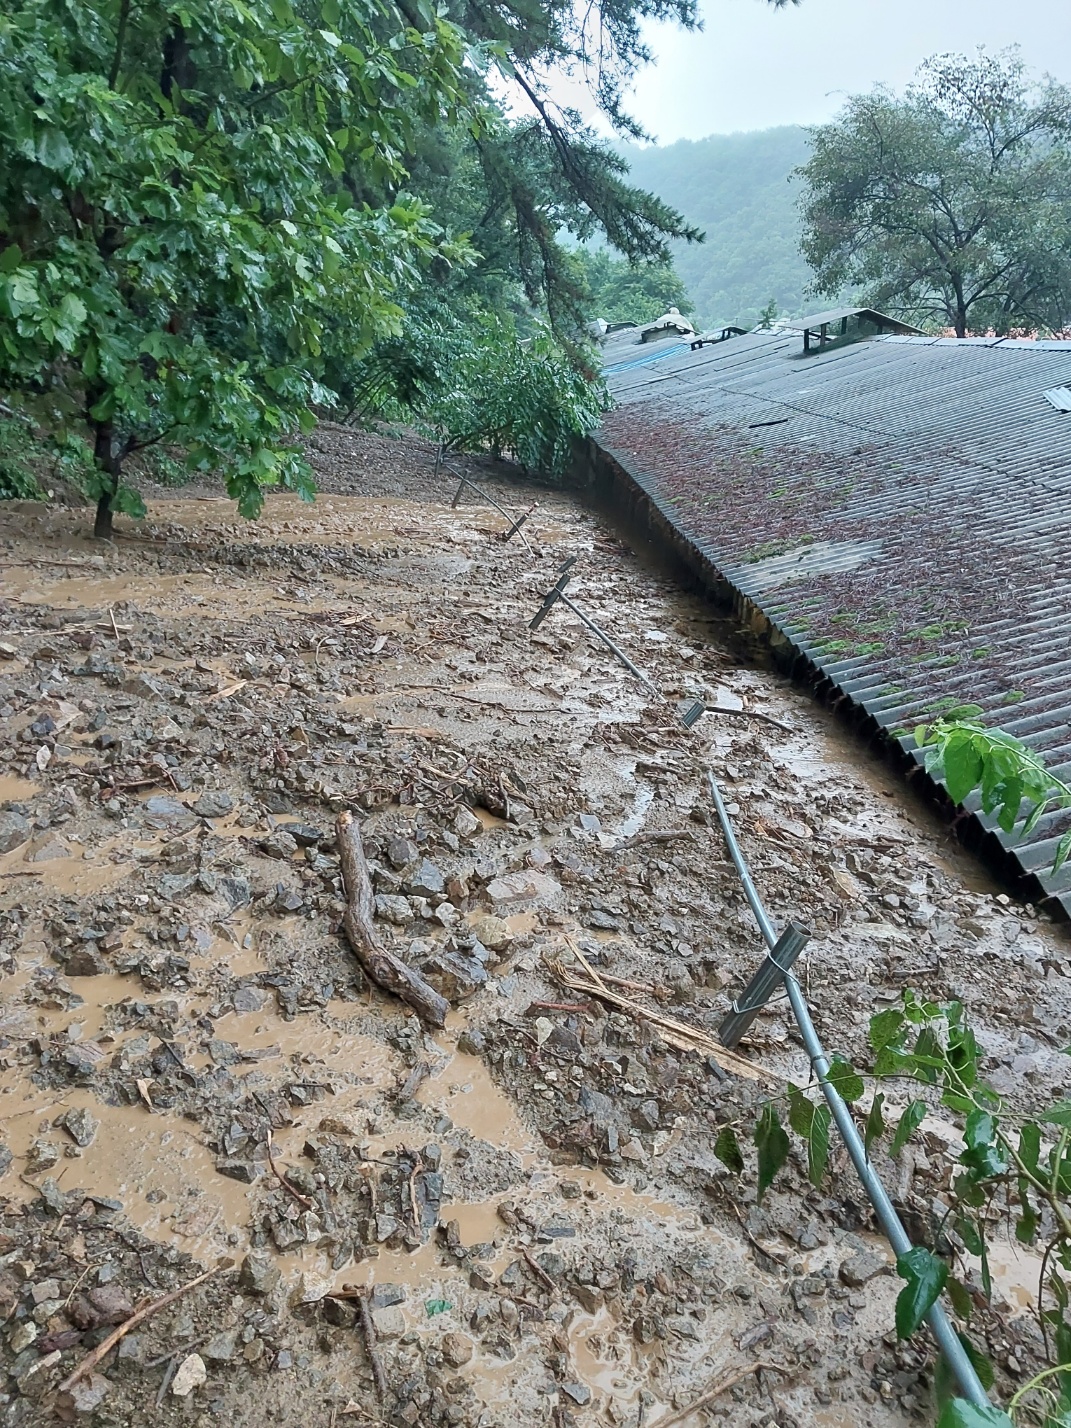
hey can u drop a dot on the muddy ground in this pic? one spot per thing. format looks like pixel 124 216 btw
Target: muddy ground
pixel 195 1075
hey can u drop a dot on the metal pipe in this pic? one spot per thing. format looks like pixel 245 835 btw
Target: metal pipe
pixel 947 1339
pixel 608 642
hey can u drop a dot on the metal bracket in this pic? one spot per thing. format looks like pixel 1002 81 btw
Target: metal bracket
pixel 565 574
pixel 764 983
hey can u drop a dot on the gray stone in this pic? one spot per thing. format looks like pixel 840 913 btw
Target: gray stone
pixel 249 999
pixel 14 831
pixel 384 1295
pixel 466 824
pixel 427 881
pixel 456 1349
pixel 85 961
pixel 304 834
pixel 243 1170
pixel 578 1392
pixel 213 804
pixel 278 845
pixel 164 812
pixel 394 909
pixel 525 889
pixel 222 1348
pixel 472 1042
pixel 49 851
pixel 258 1275
pixel 494 932
pixel 389 1323
pixel 454 977
pixel 857 1269
pixel 401 852
pixel 340 1312
pixel 80 1125
pixel 6 1159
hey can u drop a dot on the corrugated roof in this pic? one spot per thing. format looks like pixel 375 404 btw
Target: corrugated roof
pixel 900 509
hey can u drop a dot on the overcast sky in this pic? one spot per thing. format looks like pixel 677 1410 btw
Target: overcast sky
pixel 754 66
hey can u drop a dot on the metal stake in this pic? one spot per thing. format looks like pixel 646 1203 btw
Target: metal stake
pixel 556 593
pixel 947 1339
pixel 763 984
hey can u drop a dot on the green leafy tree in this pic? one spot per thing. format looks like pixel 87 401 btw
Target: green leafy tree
pixel 769 314
pixel 952 203
pixel 630 292
pixel 179 215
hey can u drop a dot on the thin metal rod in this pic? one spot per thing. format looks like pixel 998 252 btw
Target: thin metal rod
pixel 466 481
pixel 564 576
pixel 608 642
pixel 947 1339
pixel 515 527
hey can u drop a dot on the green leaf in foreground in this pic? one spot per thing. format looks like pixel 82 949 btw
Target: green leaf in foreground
pixel 727 1149
pixel 773 1147
pixel 875 1122
pixel 958 1413
pixel 908 1123
pixel 845 1078
pixel 925 1277
pixel 818 1144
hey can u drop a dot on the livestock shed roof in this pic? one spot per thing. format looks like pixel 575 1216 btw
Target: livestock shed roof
pixel 899 509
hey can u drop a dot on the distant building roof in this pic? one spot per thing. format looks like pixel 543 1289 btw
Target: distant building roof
pixel 819 322
pixel 671 321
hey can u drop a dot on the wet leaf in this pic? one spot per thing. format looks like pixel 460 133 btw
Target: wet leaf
pixel 845 1078
pixel 910 1119
pixel 958 1413
pixel 925 1277
pixel 818 1144
pixel 875 1122
pixel 727 1149
pixel 773 1147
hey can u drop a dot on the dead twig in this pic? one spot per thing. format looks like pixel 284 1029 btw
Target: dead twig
pixel 368 1329
pixel 380 966
pixel 538 1270
pixel 414 1203
pixel 139 1316
pixel 716 1392
pixel 677 1033
pixel 750 714
pixel 770 1254
pixel 301 1199
pixel 487 703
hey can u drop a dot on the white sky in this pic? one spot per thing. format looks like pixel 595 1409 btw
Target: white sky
pixel 753 66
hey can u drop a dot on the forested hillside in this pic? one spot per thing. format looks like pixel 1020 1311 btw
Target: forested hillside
pixel 738 188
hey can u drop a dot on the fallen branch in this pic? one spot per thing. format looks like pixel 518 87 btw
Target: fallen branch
pixel 750 714
pixel 717 1391
pixel 380 966
pixel 368 1329
pixel 471 699
pixel 301 1199
pixel 676 1033
pixel 139 1316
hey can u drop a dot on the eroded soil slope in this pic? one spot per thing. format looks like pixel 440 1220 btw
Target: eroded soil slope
pixel 195 1075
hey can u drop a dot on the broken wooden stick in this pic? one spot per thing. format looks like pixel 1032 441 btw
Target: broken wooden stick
pixel 675 1033
pixel 301 1199
pixel 139 1316
pixel 368 1329
pixel 380 966
pixel 716 1392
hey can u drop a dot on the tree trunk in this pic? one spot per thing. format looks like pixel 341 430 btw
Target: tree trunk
pixel 107 461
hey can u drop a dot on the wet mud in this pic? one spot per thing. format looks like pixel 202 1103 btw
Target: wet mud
pixel 194 1071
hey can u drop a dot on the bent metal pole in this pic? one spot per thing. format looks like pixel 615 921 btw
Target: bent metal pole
pixel 947 1339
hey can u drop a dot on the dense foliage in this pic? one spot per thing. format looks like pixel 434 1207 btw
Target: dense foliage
pixel 208 213
pixel 175 224
pixel 631 292
pixel 740 189
pixel 950 205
